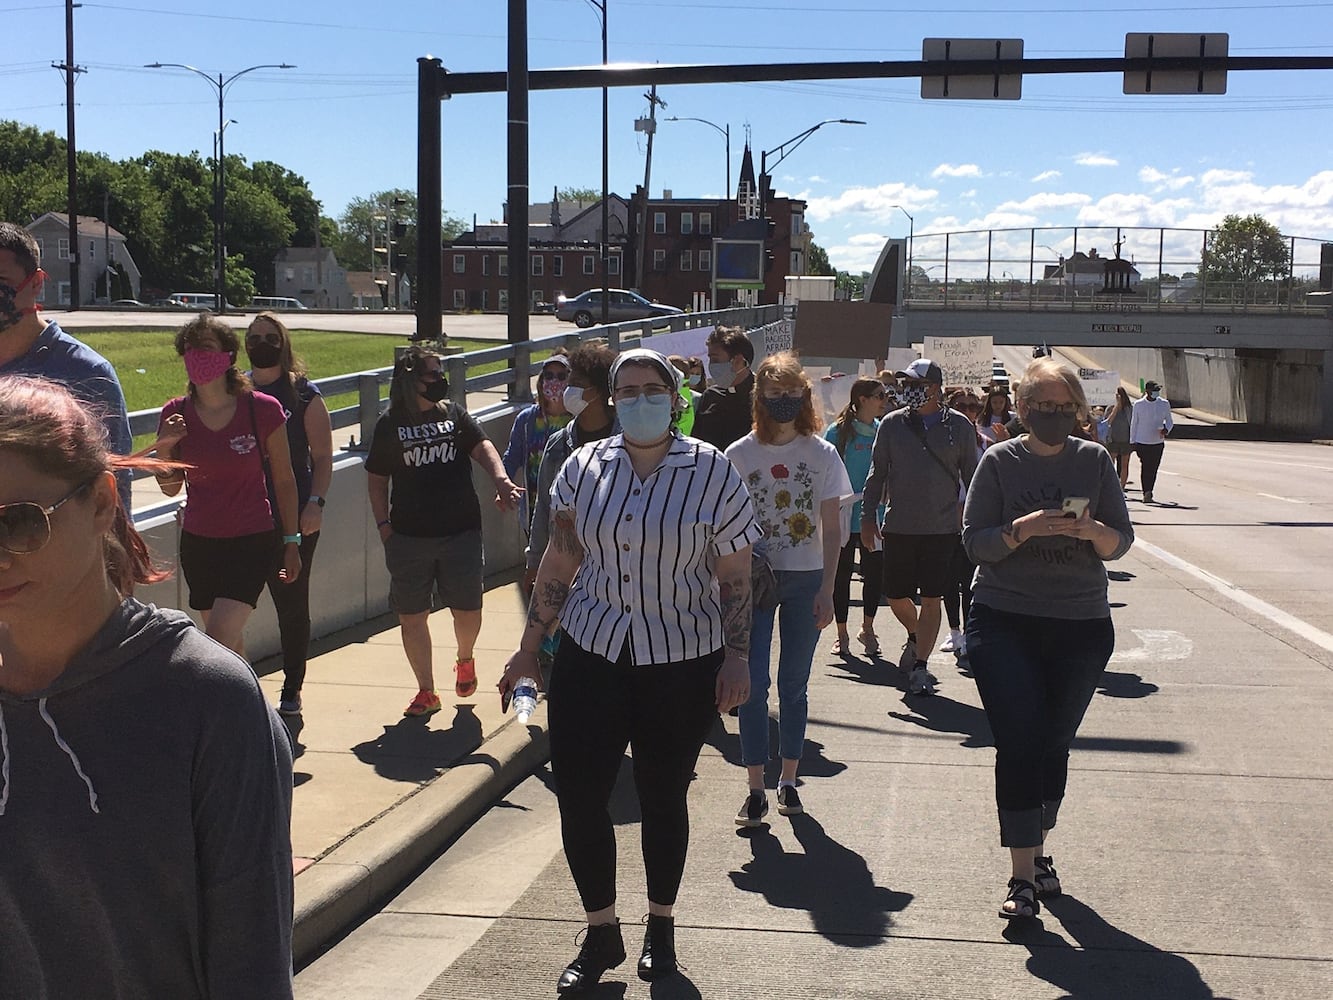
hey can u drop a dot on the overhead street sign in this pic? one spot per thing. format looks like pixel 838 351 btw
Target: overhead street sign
pixel 990 86
pixel 1176 46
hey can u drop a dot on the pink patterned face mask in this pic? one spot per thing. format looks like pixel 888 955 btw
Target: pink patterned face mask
pixel 206 366
pixel 553 389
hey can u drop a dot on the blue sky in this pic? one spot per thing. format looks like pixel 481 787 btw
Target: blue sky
pixel 1073 152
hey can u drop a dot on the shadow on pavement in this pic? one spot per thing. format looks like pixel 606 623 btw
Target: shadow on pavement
pixel 677 987
pixel 857 915
pixel 944 715
pixel 813 762
pixel 1108 963
pixel 1115 684
pixel 411 750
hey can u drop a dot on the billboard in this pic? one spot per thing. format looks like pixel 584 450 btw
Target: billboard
pixel 738 263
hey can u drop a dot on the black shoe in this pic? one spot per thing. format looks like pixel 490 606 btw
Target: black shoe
pixel 658 959
pixel 602 949
pixel 753 810
pixel 789 803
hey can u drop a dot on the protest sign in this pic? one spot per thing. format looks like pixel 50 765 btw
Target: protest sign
pixel 964 360
pixel 1099 385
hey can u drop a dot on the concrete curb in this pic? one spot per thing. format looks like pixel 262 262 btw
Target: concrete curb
pixel 344 885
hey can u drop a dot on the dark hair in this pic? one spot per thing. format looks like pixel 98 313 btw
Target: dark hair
pixel 192 332
pixel 846 418
pixel 61 437
pixel 733 340
pixel 22 244
pixel 292 366
pixel 987 417
pixel 402 390
pixel 593 360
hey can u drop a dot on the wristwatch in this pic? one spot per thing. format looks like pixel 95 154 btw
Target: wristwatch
pixel 319 500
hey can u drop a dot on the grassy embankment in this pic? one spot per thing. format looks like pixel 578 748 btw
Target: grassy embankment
pixel 151 372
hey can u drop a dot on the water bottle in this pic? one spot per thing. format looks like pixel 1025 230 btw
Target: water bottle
pixel 525 699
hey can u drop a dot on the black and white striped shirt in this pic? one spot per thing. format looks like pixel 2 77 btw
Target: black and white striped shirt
pixel 650 547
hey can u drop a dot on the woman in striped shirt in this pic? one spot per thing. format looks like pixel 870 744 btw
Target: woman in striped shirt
pixel 648 572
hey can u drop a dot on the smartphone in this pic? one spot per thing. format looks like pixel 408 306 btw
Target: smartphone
pixel 506 696
pixel 1074 506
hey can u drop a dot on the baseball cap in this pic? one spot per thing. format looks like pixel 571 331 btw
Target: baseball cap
pixel 922 368
pixel 557 359
pixel 1152 387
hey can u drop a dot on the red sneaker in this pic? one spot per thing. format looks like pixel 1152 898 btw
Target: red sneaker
pixel 465 682
pixel 425 703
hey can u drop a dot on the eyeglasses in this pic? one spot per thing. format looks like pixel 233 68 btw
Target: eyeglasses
pixel 430 374
pixel 635 391
pixel 274 338
pixel 1064 409
pixel 788 393
pixel 25 527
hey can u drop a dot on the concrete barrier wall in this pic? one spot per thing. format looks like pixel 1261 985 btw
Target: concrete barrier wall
pixel 350 583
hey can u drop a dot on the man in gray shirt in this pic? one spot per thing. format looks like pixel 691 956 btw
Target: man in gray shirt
pixel 923 459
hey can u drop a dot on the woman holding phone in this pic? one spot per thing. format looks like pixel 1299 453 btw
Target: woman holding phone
pixel 1040 632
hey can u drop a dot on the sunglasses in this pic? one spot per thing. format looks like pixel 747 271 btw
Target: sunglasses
pixel 555 376
pixel 26 527
pixel 274 338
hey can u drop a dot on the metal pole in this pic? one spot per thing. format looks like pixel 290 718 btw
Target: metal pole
pixel 727 193
pixel 520 389
pixel 429 310
pixel 606 212
pixel 220 230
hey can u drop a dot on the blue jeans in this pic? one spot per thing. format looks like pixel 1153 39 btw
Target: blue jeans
pixel 797 638
pixel 1036 677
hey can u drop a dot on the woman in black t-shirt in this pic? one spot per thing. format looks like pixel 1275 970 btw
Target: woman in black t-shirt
pixel 423 448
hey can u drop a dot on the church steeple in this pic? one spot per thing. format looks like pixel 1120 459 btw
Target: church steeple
pixel 747 191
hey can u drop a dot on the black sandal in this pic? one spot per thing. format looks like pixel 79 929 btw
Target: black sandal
pixel 1024 894
pixel 1047 880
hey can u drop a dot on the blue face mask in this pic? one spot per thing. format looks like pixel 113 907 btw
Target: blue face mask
pixel 644 419
pixel 721 373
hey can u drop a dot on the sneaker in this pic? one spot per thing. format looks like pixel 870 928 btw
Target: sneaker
pixel 753 810
pixel 465 683
pixel 908 658
pixel 954 643
pixel 290 704
pixel 1147 496
pixel 870 641
pixel 425 703
pixel 960 645
pixel 789 802
pixel 919 681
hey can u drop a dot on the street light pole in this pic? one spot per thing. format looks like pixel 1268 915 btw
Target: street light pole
pixel 221 85
pixel 725 132
pixel 911 245
pixel 600 7
pixel 793 142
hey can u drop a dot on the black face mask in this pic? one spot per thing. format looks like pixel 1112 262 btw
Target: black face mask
pixel 1050 428
pixel 10 313
pixel 436 391
pixel 264 354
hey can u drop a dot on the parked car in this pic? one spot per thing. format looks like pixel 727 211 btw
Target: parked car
pixel 586 309
pixel 275 302
pixel 544 309
pixel 128 304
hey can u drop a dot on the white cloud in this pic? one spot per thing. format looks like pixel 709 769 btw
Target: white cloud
pixel 1046 175
pixel 858 254
pixel 867 240
pixel 959 170
pixel 816 179
pixel 1214 177
pixel 1096 160
pixel 1160 181
pixel 1044 202
pixel 969 195
pixel 1134 210
pixel 879 203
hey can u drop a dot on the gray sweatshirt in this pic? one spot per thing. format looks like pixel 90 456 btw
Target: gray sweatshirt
pixel 145 807
pixel 1061 577
pixel 920 494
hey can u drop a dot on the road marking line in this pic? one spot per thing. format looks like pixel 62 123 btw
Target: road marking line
pixel 1274 496
pixel 1157 645
pixel 1247 600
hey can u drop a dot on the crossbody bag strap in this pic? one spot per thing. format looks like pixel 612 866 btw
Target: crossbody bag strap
pixel 920 433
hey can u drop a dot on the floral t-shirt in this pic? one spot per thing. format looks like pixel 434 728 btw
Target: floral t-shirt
pixel 788 483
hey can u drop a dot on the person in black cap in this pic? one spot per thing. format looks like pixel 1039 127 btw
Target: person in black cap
pixel 922 455
pixel 1149 424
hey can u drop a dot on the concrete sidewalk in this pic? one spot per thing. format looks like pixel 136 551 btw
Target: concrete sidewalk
pixel 378 794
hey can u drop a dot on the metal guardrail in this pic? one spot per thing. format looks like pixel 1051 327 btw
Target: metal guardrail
pixel 517 375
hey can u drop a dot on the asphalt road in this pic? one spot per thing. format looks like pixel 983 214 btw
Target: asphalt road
pixel 1195 845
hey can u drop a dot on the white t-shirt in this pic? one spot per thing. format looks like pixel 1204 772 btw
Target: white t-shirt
pixel 788 483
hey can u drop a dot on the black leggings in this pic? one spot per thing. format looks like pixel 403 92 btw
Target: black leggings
pixel 596 709
pixel 958 596
pixel 872 573
pixel 292 603
pixel 1150 459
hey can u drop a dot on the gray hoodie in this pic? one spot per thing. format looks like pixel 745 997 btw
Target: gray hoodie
pixel 145 806
pixel 920 493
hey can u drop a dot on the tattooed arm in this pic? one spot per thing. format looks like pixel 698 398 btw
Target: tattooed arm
pixel 733 580
pixel 563 556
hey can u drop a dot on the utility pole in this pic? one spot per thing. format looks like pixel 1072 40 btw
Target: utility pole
pixel 71 163
pixel 648 125
pixel 106 241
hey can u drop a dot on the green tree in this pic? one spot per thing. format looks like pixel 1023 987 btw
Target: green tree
pixel 238 281
pixel 580 194
pixel 1245 251
pixel 817 261
pixel 366 215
